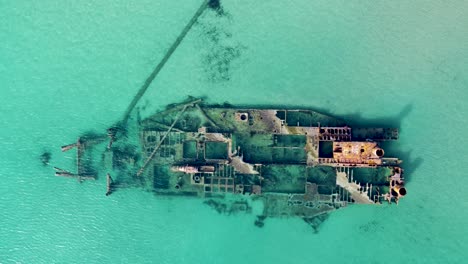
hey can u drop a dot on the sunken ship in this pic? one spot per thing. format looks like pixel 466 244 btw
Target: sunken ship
pixel 296 162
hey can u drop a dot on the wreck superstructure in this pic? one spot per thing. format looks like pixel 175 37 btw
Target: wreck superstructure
pixel 297 162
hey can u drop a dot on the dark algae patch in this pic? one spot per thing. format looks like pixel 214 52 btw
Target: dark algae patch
pixel 215 5
pixel 228 207
pixel 220 49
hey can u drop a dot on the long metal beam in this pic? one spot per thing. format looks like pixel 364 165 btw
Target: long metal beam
pixel 166 57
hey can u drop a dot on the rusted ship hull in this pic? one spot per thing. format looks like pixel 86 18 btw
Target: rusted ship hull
pixel 297 162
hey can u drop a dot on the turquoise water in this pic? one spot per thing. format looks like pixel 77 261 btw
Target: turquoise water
pixel 70 66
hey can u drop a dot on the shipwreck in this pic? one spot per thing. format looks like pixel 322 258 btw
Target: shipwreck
pixel 297 162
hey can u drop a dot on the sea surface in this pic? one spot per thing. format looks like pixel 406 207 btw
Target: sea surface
pixel 67 67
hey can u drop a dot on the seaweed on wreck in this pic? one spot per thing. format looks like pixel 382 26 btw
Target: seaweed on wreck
pixel 119 127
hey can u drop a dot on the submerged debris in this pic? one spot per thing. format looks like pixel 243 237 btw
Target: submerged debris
pixel 45 158
pixel 316 221
pixel 215 5
pixel 260 221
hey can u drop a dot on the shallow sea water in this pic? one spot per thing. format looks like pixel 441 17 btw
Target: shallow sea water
pixel 70 66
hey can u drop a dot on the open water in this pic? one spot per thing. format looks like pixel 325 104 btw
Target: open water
pixel 71 66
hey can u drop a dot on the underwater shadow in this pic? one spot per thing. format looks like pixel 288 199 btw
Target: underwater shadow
pixel 410 162
pixel 357 119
